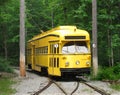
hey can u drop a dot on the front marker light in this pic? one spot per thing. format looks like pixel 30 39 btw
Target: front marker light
pixel 67 64
pixel 77 62
pixel 87 63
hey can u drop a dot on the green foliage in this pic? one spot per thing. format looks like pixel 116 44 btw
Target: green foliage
pixel 5 66
pixel 5 86
pixel 9 27
pixel 106 73
pixel 2 2
pixel 115 86
pixel 115 41
pixel 45 14
pixel 108 27
pixel 116 69
pixel 111 73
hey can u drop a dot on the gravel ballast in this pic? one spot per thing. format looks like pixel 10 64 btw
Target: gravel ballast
pixel 33 82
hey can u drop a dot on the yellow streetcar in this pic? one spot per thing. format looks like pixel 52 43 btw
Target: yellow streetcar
pixel 64 49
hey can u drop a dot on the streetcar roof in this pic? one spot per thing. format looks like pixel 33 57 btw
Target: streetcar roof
pixel 60 31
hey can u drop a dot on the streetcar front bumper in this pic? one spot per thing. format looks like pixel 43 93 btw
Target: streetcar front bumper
pixel 78 71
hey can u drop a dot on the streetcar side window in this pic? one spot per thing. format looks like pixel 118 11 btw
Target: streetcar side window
pixel 41 50
pixel 54 48
pixel 28 51
pixel 45 50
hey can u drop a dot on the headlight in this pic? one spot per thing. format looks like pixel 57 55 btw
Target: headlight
pixel 67 63
pixel 77 62
pixel 87 63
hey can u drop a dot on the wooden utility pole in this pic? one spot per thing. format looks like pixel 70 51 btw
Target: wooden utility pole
pixel 22 38
pixel 94 37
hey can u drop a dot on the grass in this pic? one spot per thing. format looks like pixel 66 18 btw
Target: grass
pixel 5 86
pixel 6 78
pixel 115 86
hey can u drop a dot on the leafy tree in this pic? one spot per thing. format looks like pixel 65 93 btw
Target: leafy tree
pixel 108 27
pixel 45 14
pixel 2 2
pixel 9 27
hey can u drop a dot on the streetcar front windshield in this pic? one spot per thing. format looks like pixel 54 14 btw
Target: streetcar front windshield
pixel 75 47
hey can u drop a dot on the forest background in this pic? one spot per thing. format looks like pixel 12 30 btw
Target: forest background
pixel 46 14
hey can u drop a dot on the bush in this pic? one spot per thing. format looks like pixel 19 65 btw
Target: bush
pixel 109 73
pixel 5 65
pixel 116 69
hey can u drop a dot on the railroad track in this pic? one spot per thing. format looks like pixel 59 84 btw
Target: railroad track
pixel 81 80
pixel 100 91
pixel 61 88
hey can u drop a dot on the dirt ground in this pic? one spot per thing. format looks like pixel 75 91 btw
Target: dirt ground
pixel 33 82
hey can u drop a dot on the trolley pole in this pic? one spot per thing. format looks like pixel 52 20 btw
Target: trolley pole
pixel 94 37
pixel 22 38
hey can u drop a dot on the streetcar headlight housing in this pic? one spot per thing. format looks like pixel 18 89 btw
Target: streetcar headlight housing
pixel 77 62
pixel 67 64
pixel 88 63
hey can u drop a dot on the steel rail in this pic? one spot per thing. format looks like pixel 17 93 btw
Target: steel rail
pixel 60 87
pixel 101 91
pixel 41 90
pixel 75 89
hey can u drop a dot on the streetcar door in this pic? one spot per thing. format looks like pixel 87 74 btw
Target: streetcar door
pixel 33 57
pixel 53 68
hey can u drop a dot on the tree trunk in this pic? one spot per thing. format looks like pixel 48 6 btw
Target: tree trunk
pixel 5 42
pixel 109 57
pixel 94 37
pixel 112 57
pixel 22 38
